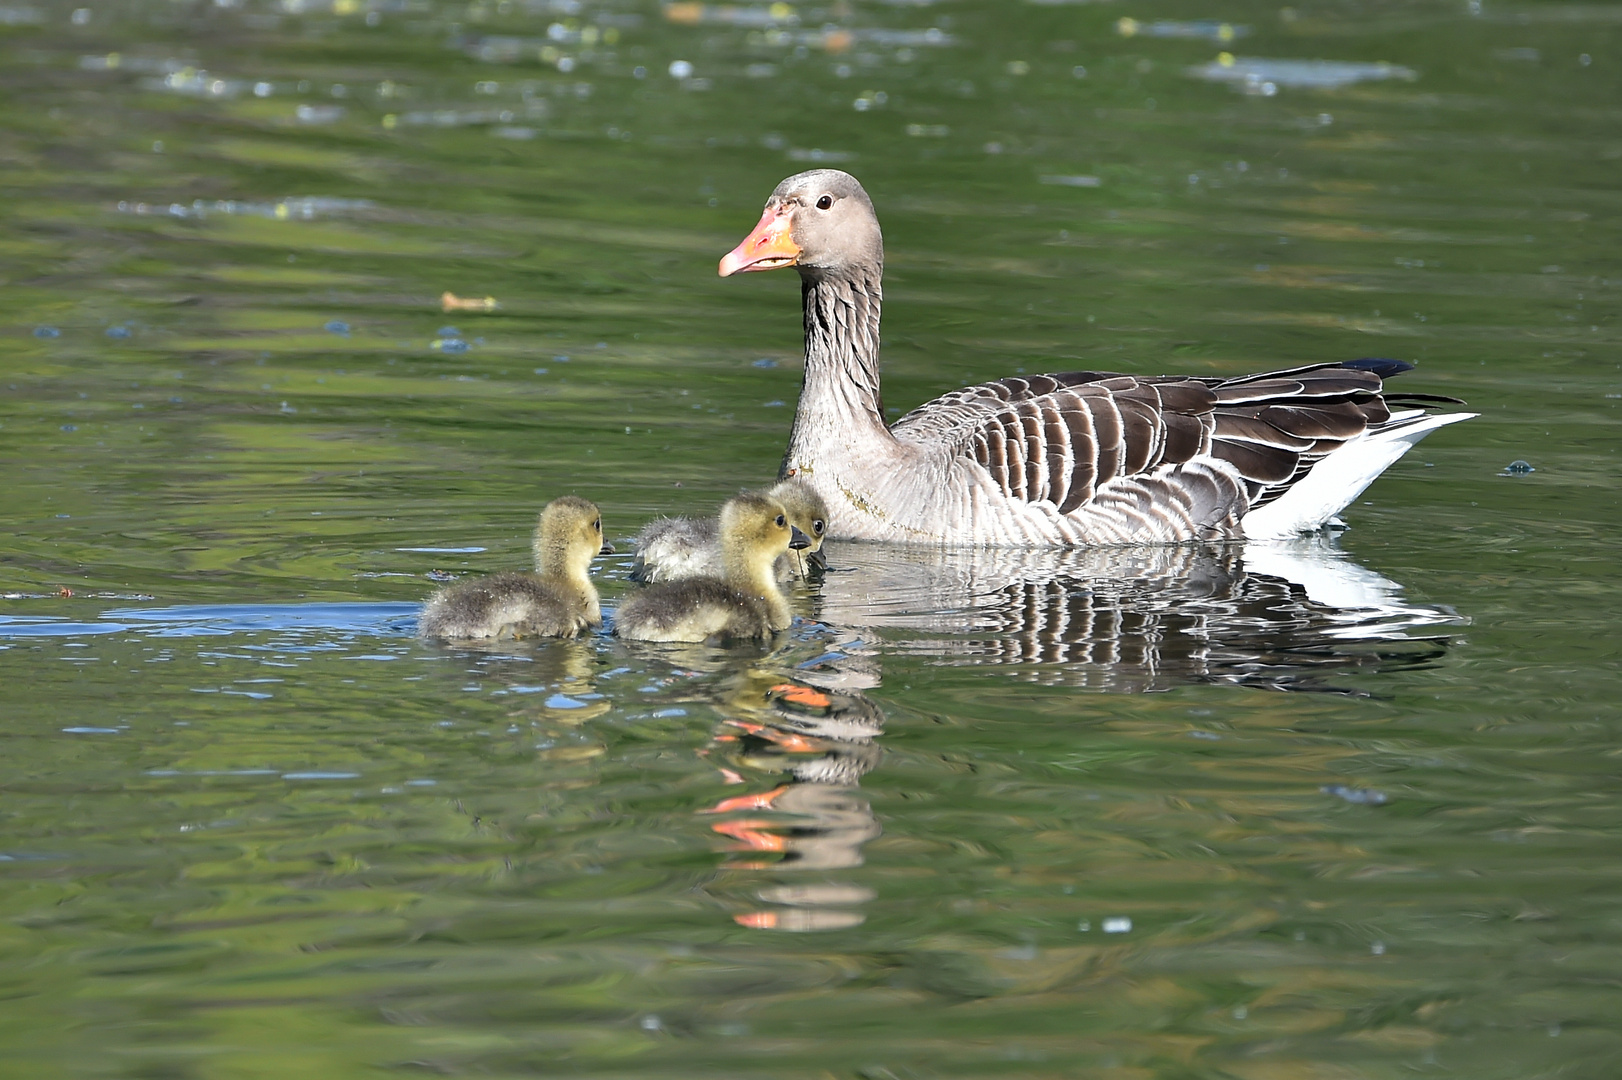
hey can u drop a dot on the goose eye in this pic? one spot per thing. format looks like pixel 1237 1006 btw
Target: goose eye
pixel 780 521
pixel 817 526
pixel 825 203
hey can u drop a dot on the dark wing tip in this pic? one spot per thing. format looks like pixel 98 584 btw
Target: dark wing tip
pixel 1379 365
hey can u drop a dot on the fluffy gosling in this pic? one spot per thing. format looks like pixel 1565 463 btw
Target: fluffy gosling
pixel 671 549
pixel 558 600
pixel 745 602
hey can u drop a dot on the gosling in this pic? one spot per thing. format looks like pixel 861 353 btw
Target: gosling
pixel 746 602
pixel 558 600
pixel 671 549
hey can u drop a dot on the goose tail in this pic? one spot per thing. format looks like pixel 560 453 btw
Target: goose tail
pixel 1338 479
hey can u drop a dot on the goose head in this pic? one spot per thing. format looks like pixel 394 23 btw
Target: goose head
pixel 568 536
pixel 819 221
pixel 807 512
pixel 755 530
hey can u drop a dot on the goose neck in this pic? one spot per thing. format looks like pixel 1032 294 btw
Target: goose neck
pixel 842 345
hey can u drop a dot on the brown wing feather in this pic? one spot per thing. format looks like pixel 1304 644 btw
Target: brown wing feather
pixel 1061 437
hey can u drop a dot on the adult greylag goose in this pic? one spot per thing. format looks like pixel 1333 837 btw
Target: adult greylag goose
pixel 1075 458
pixel 672 548
pixel 746 602
pixel 558 600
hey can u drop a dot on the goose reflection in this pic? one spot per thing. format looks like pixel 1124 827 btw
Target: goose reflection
pixel 1278 615
pixel 820 742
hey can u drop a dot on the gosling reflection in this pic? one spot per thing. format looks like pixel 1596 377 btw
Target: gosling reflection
pixel 821 741
pixel 1278 615
pixel 555 681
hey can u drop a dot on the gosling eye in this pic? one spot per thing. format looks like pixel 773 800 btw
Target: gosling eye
pixel 817 526
pixel 597 525
pixel 780 522
pixel 825 203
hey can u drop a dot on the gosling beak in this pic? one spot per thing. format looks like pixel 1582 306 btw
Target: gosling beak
pixel 816 560
pixel 767 248
pixel 798 541
pixel 606 549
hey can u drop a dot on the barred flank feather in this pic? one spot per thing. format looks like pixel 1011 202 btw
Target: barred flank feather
pixel 1063 438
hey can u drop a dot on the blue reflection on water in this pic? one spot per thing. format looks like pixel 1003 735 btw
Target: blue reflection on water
pixel 381 619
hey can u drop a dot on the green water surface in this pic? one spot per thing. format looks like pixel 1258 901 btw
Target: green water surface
pixel 1343 810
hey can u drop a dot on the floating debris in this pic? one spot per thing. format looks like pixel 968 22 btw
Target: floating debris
pixel 820 156
pixel 453 118
pixel 507 49
pixel 1518 468
pixel 928 131
pixel 1117 924
pixel 319 114
pixel 47 332
pixel 1257 75
pixel 753 17
pixel 118 332
pixel 451 302
pixel 301 209
pixel 450 341
pixel 195 82
pixel 1359 796
pixel 1206 29
pixel 1073 181
pixel 337 326
pixel 901 39
pixel 338 7
pixel 801 920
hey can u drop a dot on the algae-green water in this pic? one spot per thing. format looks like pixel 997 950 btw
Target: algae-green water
pixel 307 306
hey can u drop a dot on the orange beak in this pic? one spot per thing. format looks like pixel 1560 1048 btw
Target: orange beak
pixel 767 248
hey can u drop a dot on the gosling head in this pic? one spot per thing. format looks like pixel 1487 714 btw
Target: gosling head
pixel 755 530
pixel 807 512
pixel 819 221
pixel 568 536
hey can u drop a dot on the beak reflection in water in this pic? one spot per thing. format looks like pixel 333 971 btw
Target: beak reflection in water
pixel 820 741
pixel 800 737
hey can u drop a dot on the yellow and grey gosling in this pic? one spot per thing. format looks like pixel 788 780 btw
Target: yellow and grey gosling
pixel 671 549
pixel 745 602
pixel 558 600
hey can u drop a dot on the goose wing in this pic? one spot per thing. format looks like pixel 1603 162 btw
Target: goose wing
pixel 1060 438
